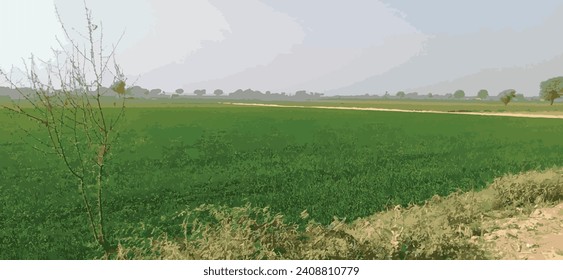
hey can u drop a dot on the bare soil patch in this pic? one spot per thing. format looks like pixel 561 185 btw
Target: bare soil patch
pixel 538 236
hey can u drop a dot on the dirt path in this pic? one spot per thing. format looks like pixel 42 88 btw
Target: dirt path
pixel 518 115
pixel 538 236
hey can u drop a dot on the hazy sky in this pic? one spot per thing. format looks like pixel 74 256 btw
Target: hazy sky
pixel 338 47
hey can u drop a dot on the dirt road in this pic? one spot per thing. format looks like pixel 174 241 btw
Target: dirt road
pixel 507 114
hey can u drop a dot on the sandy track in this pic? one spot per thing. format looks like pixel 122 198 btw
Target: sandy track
pixel 518 115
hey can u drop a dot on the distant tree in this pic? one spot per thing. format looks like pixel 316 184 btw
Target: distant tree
pixel 551 89
pixel 459 94
pixel 137 91
pixel 199 92
pixel 429 95
pixel 155 91
pixel 483 94
pixel 218 92
pixel 507 95
pixel 249 92
pixel 520 96
pixel 180 91
pixel 400 94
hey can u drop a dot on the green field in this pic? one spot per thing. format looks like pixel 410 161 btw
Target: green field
pixel 332 163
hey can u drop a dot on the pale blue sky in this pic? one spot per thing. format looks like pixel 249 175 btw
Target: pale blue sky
pixel 457 17
pixel 339 47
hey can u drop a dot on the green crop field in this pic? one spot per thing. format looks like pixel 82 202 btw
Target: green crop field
pixel 332 163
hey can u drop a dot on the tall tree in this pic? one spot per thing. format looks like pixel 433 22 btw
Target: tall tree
pixel 551 89
pixel 507 95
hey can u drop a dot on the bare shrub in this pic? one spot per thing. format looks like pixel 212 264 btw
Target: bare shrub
pixel 72 107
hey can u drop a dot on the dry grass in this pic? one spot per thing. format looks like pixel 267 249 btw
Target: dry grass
pixel 530 188
pixel 443 228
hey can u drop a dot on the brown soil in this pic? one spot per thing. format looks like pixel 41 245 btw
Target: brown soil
pixel 538 236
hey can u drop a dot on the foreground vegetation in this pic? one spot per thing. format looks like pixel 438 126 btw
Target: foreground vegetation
pixel 450 227
pixel 345 164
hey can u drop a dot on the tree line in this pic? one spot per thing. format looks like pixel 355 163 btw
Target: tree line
pixel 550 90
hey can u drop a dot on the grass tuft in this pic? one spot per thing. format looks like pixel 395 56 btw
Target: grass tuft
pixel 529 188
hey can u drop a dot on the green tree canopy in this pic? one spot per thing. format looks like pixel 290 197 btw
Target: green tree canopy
pixel 155 91
pixel 459 93
pixel 483 94
pixel 218 92
pixel 551 89
pixel 507 95
pixel 200 92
